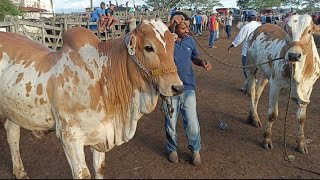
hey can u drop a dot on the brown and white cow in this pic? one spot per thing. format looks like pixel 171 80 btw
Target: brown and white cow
pixel 90 92
pixel 298 48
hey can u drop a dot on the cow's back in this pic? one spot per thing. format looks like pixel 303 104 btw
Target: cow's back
pixel 77 37
pixel 266 43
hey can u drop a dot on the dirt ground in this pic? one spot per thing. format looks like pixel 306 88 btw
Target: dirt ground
pixel 235 152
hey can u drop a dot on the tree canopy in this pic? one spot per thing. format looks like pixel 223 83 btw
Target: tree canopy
pixel 260 4
pixel 8 8
pixel 168 4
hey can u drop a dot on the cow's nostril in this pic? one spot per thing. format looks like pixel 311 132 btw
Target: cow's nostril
pixel 177 89
pixel 293 57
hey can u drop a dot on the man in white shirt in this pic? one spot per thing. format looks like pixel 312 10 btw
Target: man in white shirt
pixel 229 19
pixel 243 36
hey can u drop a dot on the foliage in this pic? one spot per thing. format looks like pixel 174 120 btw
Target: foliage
pixel 168 4
pixel 8 8
pixel 259 4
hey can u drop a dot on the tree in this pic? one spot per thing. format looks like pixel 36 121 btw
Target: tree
pixel 310 3
pixel 8 8
pixel 259 4
pixel 168 4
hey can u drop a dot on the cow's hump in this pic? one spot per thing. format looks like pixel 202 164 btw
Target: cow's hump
pixel 77 37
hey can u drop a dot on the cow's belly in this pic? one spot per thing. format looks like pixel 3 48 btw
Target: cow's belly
pixel 23 98
pixel 26 114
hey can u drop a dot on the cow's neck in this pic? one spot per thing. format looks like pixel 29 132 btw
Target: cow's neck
pixel 127 94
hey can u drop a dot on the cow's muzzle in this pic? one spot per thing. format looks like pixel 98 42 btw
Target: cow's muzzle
pixel 177 89
pixel 294 57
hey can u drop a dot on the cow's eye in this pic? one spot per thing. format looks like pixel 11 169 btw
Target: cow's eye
pixel 309 31
pixel 149 49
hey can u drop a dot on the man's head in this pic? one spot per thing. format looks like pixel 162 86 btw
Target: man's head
pixel 112 6
pixel 102 5
pixel 214 13
pixel 252 16
pixel 182 29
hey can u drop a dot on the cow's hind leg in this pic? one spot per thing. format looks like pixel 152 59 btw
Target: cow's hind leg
pixel 13 137
pixel 99 163
pixel 272 115
pixel 76 158
pixel 301 141
pixel 251 91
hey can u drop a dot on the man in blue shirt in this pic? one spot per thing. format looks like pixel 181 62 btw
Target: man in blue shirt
pixel 99 15
pixel 185 54
pixel 198 24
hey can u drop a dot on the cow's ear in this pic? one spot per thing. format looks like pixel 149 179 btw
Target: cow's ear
pixel 316 28
pixel 133 41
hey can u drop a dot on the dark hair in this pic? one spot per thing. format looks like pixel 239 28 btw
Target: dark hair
pixel 180 13
pixel 102 3
pixel 252 17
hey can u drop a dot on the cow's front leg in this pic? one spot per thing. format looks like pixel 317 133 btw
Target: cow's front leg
pixel 13 137
pixel 76 158
pixel 272 114
pixel 301 141
pixel 99 163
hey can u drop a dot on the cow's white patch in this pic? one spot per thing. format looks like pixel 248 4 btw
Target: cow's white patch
pixel 160 28
pixel 298 25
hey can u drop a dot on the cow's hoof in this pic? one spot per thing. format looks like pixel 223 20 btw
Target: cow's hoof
pixel 251 120
pixel 303 149
pixel 256 123
pixel 268 145
pixel 22 175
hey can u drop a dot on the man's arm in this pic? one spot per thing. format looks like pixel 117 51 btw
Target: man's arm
pixel 199 62
pixel 240 37
pixel 177 19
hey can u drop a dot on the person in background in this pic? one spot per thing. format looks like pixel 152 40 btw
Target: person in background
pixel 212 29
pixel 198 24
pixel 99 15
pixel 132 22
pixel 263 18
pixel 243 36
pixel 229 19
pixel 219 25
pixel 185 54
pixel 111 19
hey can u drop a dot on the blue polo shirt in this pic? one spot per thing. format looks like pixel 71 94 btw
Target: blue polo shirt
pixel 198 19
pixel 184 52
pixel 95 14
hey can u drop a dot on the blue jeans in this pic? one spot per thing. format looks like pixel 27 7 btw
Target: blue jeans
pixel 186 103
pixel 211 39
pixel 244 59
pixel 217 34
pixel 228 31
pixel 198 29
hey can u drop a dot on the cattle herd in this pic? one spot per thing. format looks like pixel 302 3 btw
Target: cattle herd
pixel 91 93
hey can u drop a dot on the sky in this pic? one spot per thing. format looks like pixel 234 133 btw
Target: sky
pixel 79 5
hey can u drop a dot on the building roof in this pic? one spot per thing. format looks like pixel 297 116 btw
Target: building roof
pixel 31 9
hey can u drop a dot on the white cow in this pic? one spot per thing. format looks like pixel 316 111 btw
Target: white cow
pixel 91 93
pixel 297 46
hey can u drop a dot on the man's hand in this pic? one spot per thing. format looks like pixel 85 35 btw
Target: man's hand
pixel 229 49
pixel 177 19
pixel 206 65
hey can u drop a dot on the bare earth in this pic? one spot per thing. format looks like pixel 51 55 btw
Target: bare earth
pixel 236 152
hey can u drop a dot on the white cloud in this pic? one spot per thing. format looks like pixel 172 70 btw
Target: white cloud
pixel 80 5
pixel 229 3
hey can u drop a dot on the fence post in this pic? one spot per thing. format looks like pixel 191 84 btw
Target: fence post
pixel 16 24
pixel 43 32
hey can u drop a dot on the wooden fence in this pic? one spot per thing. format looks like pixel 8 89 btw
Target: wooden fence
pixel 49 32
